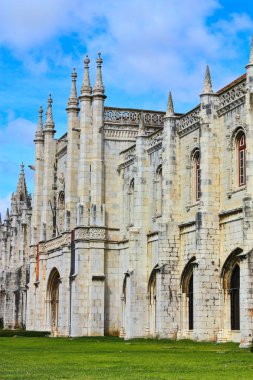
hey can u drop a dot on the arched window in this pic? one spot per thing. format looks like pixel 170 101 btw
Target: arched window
pixel 230 275
pixel 131 203
pixel 187 281
pixel 158 192
pixel 241 151
pixel 196 175
pixel 235 298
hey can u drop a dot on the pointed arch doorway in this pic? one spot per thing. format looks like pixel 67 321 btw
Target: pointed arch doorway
pixel 53 300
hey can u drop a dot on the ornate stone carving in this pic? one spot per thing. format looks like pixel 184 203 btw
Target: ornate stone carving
pixel 155 141
pixel 132 117
pixel 188 122
pixel 56 243
pixel 90 233
pixel 232 98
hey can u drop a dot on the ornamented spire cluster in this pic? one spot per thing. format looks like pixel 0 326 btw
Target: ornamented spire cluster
pixel 98 86
pixel 39 132
pixel 73 100
pixel 86 87
pixel 207 88
pixel 170 107
pixel 49 125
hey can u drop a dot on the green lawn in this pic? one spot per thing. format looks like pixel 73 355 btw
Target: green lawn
pixel 114 358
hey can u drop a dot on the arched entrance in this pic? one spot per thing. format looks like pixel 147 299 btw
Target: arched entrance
pixel 53 299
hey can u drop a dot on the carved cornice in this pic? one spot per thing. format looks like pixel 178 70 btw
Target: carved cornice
pixel 232 98
pixel 90 233
pixel 189 122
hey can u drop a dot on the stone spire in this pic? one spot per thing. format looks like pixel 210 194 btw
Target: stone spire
pixel 73 100
pixel 251 54
pixel 141 130
pixel 207 88
pixel 49 125
pixel 21 191
pixel 98 86
pixel 86 87
pixel 170 107
pixel 7 216
pixel 0 219
pixel 39 132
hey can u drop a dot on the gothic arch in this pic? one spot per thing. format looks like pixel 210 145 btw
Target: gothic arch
pixel 53 299
pixel 228 267
pixel 230 277
pixel 187 286
pixel 152 301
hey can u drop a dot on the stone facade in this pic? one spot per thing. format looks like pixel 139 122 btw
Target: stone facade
pixel 141 223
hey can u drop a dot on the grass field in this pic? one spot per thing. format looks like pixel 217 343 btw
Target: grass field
pixel 113 358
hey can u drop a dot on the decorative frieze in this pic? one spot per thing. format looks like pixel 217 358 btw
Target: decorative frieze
pixel 90 233
pixel 56 243
pixel 155 142
pixel 189 122
pixel 232 98
pixel 132 116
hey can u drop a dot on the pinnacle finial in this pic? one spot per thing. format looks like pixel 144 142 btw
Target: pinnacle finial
pixel 170 107
pixel 0 219
pixel 207 88
pixel 86 87
pixel 39 132
pixel 98 86
pixel 251 53
pixel 49 115
pixel 73 100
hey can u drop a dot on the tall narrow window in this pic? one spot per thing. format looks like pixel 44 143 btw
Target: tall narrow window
pixel 158 194
pixel 190 306
pixel 235 298
pixel 196 161
pixel 131 203
pixel 241 146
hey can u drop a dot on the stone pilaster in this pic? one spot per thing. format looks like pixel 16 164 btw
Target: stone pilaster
pixel 168 275
pixel 72 153
pixel 206 280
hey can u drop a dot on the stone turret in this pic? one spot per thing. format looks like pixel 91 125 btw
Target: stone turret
pixel 97 166
pixel 85 148
pixel 207 220
pixel 48 228
pixel 72 153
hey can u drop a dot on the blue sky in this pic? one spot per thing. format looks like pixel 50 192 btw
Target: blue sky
pixel 149 48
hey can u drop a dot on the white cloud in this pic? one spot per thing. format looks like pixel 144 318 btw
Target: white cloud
pixel 147 45
pixel 18 130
